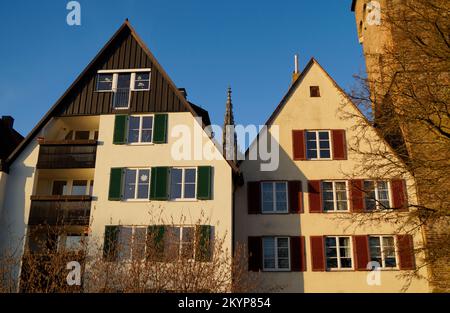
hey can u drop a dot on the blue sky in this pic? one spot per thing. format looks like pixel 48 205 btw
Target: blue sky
pixel 204 45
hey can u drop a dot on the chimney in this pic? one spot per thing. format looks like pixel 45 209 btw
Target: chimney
pixel 295 74
pixel 8 121
pixel 183 92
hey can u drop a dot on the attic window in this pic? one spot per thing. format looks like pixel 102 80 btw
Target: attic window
pixel 104 82
pixel 314 91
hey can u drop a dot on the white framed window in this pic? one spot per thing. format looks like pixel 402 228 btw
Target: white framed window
pixel 334 196
pixel 338 251
pixel 137 184
pixel 183 183
pixel 318 144
pixel 179 242
pixel 276 254
pixel 376 196
pixel 140 129
pixel 141 81
pixel 274 197
pixel 81 135
pixel 138 80
pixel 382 250
pixel 132 243
pixel 72 187
pixel 105 82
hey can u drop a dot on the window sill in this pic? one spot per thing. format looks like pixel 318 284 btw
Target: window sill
pixel 183 200
pixel 276 270
pixel 340 270
pixel 140 144
pixel 135 200
pixel 276 213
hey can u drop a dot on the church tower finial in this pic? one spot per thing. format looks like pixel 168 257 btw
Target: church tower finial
pixel 229 140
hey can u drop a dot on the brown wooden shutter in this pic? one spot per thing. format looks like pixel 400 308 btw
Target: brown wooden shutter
pixel 295 197
pixel 357 195
pixel 254 197
pixel 405 247
pixel 315 196
pixel 254 254
pixel 361 252
pixel 298 144
pixel 398 191
pixel 339 144
pixel 297 252
pixel 317 253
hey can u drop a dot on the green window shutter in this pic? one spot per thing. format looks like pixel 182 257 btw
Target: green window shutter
pixel 155 242
pixel 110 244
pixel 160 128
pixel 159 186
pixel 204 183
pixel 120 125
pixel 203 246
pixel 115 184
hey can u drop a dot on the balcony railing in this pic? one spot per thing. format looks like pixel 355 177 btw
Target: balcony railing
pixel 67 154
pixel 121 98
pixel 60 210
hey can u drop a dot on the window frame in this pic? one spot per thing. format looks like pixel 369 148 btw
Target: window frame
pixel 69 186
pixel 141 118
pixel 115 73
pixel 317 131
pixel 97 81
pixel 276 268
pixel 132 243
pixel 378 206
pixel 124 184
pixel 333 182
pixel 274 192
pixel 183 182
pixel 338 254
pixel 383 261
pixel 133 80
pixel 181 242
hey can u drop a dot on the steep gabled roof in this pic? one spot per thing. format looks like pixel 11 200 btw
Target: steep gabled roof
pixel 58 106
pixel 292 89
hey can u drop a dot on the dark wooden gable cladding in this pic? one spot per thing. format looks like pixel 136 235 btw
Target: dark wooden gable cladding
pixel 124 52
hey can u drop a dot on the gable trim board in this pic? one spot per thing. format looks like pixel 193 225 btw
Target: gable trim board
pixel 292 89
pixel 125 27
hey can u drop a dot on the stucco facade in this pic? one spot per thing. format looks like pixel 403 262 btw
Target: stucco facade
pixel 300 111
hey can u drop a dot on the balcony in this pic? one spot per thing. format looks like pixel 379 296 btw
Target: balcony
pixel 121 98
pixel 60 210
pixel 63 154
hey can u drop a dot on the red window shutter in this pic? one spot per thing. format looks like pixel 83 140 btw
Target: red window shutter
pixel 361 252
pixel 339 144
pixel 254 254
pixel 357 195
pixel 405 247
pixel 254 197
pixel 317 253
pixel 298 144
pixel 297 252
pixel 315 196
pixel 295 197
pixel 398 191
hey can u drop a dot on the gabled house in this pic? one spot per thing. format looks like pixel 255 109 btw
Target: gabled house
pixel 301 221
pixel 102 161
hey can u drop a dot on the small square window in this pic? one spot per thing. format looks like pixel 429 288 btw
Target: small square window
pixel 142 81
pixel 314 91
pixel 104 82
